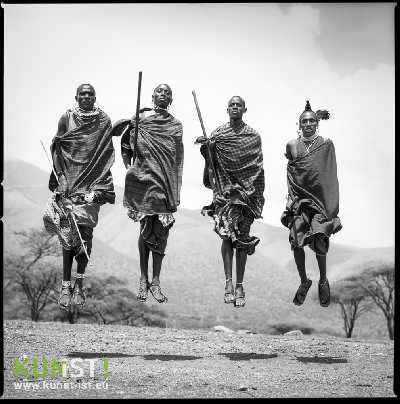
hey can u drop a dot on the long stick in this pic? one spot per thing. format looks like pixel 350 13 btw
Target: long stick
pixel 72 213
pixel 48 159
pixel 208 147
pixel 137 117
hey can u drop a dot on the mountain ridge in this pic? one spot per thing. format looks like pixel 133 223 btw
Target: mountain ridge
pixel 192 274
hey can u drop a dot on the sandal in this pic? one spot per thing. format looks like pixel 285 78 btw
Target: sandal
pixel 229 296
pixel 155 290
pixel 301 293
pixel 324 293
pixel 78 294
pixel 143 291
pixel 240 300
pixel 64 300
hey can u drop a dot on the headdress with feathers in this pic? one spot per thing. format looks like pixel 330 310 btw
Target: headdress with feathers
pixel 320 114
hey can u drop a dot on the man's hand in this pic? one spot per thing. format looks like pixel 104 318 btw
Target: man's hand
pixel 201 140
pixel 62 184
pixel 220 200
pixel 126 159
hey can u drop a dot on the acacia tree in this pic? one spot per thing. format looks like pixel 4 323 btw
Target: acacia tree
pixel 32 272
pixel 352 300
pixel 378 283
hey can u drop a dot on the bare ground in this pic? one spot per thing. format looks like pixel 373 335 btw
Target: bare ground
pixel 257 365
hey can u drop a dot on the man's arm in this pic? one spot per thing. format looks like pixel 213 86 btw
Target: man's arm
pixel 291 150
pixel 126 150
pixel 57 159
pixel 58 183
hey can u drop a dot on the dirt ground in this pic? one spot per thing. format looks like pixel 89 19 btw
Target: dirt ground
pixel 173 363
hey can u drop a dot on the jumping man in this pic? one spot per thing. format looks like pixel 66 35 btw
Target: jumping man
pixel 313 199
pixel 154 163
pixel 236 175
pixel 83 153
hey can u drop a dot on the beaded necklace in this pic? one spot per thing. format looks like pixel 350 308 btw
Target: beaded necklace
pixel 157 108
pixel 86 114
pixel 237 128
pixel 310 143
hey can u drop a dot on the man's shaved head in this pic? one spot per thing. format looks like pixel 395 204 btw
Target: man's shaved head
pixel 237 96
pixel 163 85
pixel 162 96
pixel 83 85
pixel 236 109
pixel 85 97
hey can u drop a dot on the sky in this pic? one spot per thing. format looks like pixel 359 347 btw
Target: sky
pixel 276 56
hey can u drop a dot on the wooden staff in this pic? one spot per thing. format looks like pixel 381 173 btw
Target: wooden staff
pixel 208 147
pixel 137 117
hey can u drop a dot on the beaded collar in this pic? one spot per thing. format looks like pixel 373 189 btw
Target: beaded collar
pixel 86 114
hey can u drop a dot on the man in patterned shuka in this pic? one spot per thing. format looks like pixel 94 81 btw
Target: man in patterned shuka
pixel 154 163
pixel 236 176
pixel 313 199
pixel 83 153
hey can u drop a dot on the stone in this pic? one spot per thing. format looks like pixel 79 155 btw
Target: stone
pixel 294 333
pixel 222 328
pixel 245 332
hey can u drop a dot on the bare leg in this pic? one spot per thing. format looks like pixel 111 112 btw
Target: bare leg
pixel 321 259
pixel 81 258
pixel 300 260
pixel 323 286
pixel 157 262
pixel 68 257
pixel 155 288
pixel 144 259
pixel 227 257
pixel 64 299
pixel 79 296
pixel 241 259
pixel 82 264
pixel 305 285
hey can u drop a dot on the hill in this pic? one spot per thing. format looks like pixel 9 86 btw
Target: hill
pixel 192 274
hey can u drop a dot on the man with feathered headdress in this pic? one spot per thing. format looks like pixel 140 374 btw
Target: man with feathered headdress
pixel 313 199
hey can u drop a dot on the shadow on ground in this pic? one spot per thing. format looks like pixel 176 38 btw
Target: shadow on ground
pixel 233 356
pixel 320 359
pixel 243 356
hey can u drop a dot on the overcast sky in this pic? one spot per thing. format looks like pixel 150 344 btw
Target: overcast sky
pixel 276 56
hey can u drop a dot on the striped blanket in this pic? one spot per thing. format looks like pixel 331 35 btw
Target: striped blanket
pixel 238 161
pixel 312 208
pixel 87 154
pixel 153 182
